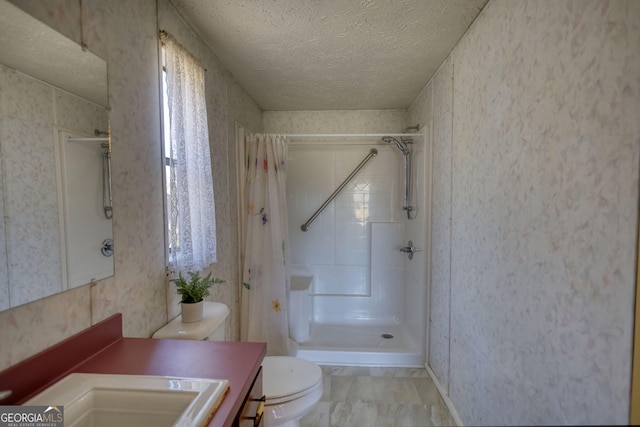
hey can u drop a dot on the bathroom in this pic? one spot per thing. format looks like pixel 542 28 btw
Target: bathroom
pixel 532 277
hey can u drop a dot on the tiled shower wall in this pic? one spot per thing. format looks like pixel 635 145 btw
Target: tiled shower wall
pixel 352 247
pixel 536 145
pixel 125 33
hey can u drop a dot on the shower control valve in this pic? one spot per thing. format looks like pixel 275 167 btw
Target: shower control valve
pixel 107 247
pixel 410 249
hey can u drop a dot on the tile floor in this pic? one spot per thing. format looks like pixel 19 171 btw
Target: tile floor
pixel 378 397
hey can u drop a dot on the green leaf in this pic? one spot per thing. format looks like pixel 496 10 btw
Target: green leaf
pixel 196 289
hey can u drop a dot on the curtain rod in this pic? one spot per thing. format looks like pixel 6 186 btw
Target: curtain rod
pixel 349 135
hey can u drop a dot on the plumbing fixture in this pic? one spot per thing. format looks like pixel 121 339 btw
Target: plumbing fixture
pixel 107 199
pixel 107 247
pixel 404 148
pixel 410 249
pixel 372 153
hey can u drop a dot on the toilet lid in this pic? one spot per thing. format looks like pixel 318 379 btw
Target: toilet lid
pixel 284 376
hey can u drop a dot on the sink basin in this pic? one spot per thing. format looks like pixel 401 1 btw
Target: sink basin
pixel 97 400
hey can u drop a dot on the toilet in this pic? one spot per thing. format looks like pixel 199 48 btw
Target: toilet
pixel 291 386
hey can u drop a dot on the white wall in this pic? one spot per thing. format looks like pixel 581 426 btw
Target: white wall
pixel 355 261
pixel 335 121
pixel 536 140
pixel 349 248
pixel 125 33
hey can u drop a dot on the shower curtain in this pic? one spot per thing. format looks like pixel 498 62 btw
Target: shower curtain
pixel 265 279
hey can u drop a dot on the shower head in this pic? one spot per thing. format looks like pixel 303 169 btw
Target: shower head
pixel 400 144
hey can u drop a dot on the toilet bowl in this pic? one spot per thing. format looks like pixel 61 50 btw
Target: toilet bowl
pixel 291 386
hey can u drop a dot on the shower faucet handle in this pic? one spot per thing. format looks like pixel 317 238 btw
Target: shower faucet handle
pixel 410 249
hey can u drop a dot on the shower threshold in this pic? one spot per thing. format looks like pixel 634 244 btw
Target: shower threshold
pixel 352 345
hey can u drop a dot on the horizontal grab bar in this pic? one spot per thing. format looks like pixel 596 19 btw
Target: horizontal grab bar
pixel 372 153
pixel 350 135
pixel 92 139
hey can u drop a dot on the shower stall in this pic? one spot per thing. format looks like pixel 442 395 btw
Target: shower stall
pixel 358 208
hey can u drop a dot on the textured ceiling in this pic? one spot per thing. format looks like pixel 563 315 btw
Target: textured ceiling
pixel 331 54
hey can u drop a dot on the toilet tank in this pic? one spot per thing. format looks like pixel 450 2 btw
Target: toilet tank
pixel 211 327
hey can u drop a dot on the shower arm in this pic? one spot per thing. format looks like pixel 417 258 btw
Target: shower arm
pixel 372 153
pixel 107 199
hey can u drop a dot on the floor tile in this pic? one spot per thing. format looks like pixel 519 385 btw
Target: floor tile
pixel 378 397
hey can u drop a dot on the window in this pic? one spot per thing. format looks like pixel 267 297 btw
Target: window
pixel 166 137
pixel 189 182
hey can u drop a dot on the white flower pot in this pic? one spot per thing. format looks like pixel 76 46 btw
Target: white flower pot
pixel 192 313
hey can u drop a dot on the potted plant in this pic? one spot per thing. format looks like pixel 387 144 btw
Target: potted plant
pixel 192 293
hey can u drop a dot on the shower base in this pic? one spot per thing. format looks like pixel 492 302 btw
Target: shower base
pixel 361 346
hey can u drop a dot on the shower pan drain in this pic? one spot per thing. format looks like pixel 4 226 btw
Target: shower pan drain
pixel 386 336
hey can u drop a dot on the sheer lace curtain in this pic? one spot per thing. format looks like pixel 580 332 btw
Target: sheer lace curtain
pixel 265 279
pixel 191 209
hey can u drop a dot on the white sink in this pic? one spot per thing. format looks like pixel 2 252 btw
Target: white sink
pixel 97 400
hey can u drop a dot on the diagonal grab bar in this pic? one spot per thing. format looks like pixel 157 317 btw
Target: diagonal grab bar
pixel 372 153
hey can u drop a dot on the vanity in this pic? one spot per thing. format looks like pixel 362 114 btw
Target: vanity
pixel 101 349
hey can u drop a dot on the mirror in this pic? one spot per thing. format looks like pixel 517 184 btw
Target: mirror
pixel 55 158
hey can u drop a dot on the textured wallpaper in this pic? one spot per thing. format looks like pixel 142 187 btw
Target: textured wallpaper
pixel 544 180
pixel 226 102
pixel 335 121
pixel 31 112
pixel 124 33
pixel 433 106
pixel 31 203
pixel 4 270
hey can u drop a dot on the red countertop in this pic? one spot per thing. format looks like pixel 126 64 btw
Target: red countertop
pixel 234 361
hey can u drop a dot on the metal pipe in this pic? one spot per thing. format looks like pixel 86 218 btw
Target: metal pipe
pixel 107 199
pixel 407 184
pixel 97 139
pixel 350 135
pixel 404 148
pixel 372 153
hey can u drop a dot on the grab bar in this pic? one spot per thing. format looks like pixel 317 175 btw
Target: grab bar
pixel 107 199
pixel 372 153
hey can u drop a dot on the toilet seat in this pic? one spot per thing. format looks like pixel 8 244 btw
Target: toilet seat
pixel 288 378
pixel 285 399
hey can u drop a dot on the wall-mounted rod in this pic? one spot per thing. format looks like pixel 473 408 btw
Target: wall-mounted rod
pixel 77 139
pixel 404 148
pixel 372 153
pixel 350 135
pixel 107 198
